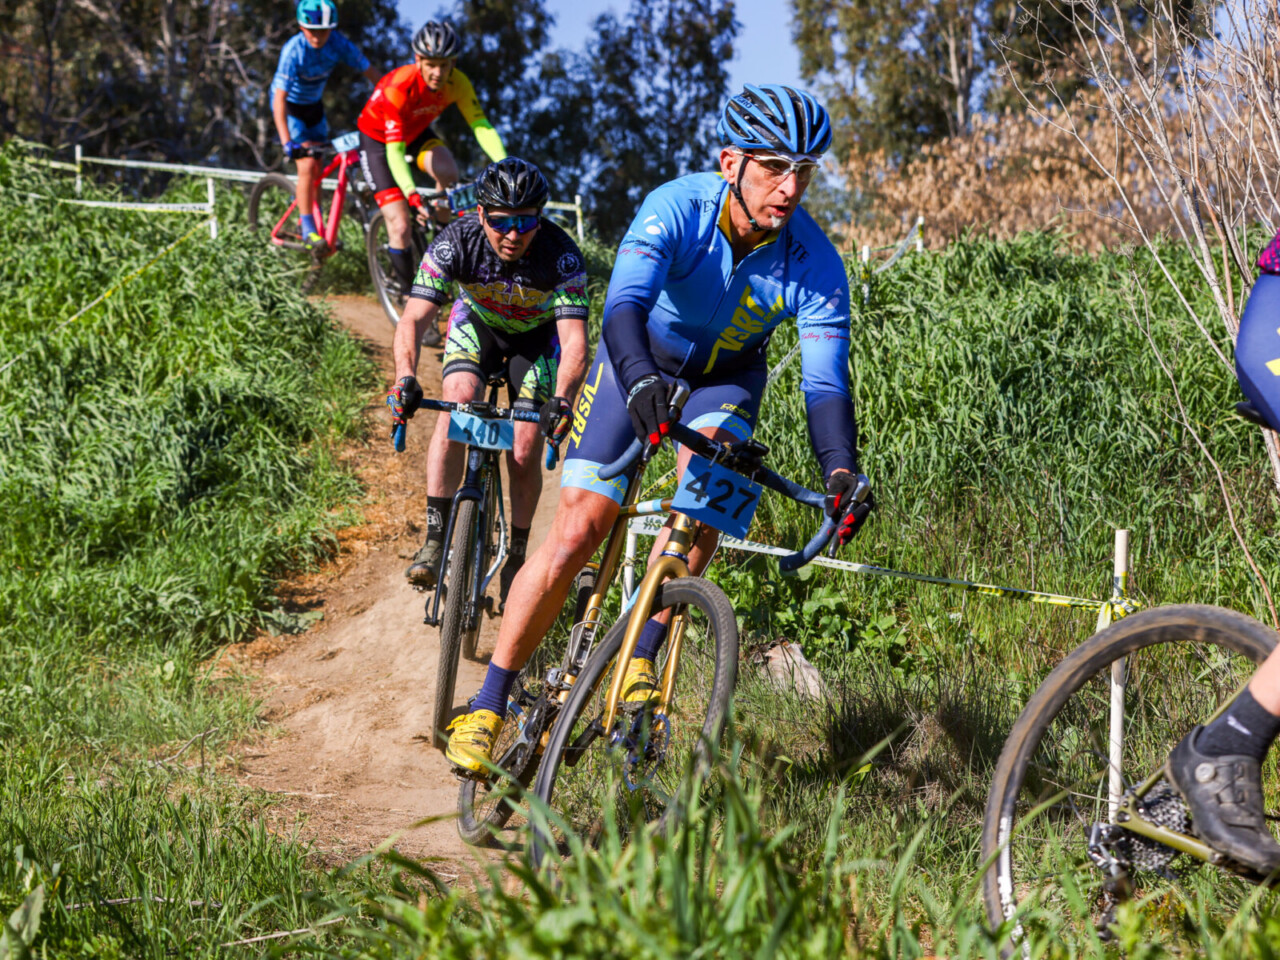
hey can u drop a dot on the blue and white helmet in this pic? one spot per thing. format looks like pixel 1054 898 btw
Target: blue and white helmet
pixel 775 117
pixel 318 14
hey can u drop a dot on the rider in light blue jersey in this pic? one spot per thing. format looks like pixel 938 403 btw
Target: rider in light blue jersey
pixel 711 265
pixel 306 61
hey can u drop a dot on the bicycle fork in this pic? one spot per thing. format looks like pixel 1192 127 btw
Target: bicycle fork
pixel 673 563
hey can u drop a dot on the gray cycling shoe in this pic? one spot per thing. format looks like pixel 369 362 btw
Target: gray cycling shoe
pixel 1224 795
pixel 425 569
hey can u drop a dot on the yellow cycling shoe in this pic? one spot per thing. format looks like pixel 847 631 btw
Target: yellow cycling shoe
pixel 640 683
pixel 471 739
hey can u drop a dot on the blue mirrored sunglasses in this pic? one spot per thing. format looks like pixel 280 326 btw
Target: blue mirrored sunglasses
pixel 519 222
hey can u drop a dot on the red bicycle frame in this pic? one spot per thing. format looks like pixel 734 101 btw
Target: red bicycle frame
pixel 341 162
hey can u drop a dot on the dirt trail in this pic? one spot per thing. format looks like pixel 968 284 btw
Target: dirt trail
pixel 349 700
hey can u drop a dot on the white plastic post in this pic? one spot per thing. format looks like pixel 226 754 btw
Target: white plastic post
pixel 577 208
pixel 920 234
pixel 1115 781
pixel 78 169
pixel 213 216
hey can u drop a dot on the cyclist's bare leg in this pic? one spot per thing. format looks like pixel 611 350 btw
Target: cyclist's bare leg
pixel 524 466
pixel 445 456
pixel 308 174
pixel 1265 685
pixel 439 165
pixel 582 520
pixel 397 217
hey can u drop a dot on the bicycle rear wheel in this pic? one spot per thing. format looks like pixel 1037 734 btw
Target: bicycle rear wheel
pixel 594 784
pixel 1051 782
pixel 272 208
pixel 457 571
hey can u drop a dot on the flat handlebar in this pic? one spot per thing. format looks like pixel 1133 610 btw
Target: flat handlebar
pixel 482 410
pixel 706 447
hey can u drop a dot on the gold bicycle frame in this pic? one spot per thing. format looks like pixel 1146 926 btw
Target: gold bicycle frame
pixel 673 563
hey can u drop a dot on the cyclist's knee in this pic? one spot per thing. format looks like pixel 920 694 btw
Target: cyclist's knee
pixel 461 387
pixel 439 165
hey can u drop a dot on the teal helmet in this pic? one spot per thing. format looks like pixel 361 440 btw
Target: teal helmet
pixel 318 14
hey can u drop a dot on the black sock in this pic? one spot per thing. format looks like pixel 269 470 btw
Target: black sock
pixel 519 542
pixel 1245 727
pixel 437 516
pixel 402 266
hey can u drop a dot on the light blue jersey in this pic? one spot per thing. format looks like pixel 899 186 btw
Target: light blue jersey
pixel 303 70
pixel 707 316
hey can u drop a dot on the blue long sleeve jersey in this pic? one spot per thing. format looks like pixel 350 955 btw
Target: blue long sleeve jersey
pixel 678 303
pixel 302 70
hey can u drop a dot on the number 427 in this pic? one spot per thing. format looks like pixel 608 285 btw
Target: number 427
pixel 720 502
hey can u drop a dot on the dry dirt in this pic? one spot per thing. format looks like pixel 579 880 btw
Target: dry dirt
pixel 347 703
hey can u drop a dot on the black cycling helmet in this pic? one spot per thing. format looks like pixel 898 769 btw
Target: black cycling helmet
pixel 437 40
pixel 512 184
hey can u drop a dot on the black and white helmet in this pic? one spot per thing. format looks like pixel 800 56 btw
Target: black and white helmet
pixel 437 40
pixel 512 184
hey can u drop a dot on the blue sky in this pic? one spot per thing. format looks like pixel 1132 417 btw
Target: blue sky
pixel 765 53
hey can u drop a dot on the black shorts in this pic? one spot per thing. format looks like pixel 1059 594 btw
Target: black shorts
pixel 376 170
pixel 530 360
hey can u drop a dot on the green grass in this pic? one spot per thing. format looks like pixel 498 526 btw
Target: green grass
pixel 167 456
pixel 162 460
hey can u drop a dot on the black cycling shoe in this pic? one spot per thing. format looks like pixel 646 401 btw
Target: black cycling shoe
pixel 1224 795
pixel 425 569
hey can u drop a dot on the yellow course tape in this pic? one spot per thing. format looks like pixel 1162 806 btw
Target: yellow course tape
pixel 129 278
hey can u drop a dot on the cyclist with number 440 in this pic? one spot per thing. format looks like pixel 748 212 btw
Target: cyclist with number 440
pixel 522 310
pixel 711 265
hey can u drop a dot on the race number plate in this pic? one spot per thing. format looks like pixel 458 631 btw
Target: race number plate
pixel 348 141
pixel 717 497
pixel 479 432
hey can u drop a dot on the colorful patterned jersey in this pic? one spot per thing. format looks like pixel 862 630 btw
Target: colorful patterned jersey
pixel 303 70
pixel 548 283
pixel 401 106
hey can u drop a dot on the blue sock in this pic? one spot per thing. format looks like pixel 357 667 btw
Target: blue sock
pixel 308 224
pixel 497 688
pixel 652 637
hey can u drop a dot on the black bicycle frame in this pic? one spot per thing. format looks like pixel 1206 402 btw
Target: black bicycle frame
pixel 482 483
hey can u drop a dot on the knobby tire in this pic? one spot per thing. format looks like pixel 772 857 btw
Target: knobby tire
pixel 1021 782
pixel 459 570
pixel 693 592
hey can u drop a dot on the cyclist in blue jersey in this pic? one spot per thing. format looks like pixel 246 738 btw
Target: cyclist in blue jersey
pixel 711 265
pixel 1217 767
pixel 306 61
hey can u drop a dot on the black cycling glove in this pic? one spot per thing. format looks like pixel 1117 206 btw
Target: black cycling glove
pixel 555 418
pixel 293 150
pixel 647 404
pixel 403 399
pixel 850 514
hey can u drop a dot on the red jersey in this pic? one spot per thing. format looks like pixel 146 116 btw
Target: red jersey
pixel 401 106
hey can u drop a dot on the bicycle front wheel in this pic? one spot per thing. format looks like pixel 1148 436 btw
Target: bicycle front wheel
pixel 458 572
pixel 485 806
pixel 1047 833
pixel 273 214
pixel 385 285
pixel 634 773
